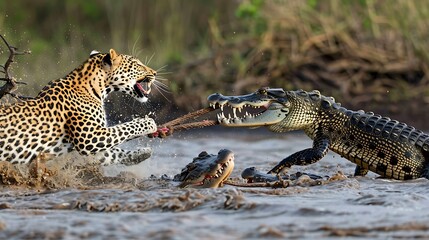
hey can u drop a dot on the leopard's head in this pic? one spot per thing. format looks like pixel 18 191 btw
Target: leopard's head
pixel 129 75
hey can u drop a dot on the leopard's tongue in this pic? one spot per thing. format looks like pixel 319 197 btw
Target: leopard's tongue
pixel 140 90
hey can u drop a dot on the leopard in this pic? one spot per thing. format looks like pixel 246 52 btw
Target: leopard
pixel 68 114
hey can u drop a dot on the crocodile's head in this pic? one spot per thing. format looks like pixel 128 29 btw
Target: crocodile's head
pixel 265 107
pixel 207 170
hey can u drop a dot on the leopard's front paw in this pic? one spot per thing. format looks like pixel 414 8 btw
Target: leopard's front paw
pixel 149 125
pixel 161 132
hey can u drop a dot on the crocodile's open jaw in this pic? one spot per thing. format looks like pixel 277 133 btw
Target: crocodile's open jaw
pixel 207 170
pixel 263 108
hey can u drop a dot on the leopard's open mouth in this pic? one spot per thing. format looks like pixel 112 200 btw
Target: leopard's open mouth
pixel 142 87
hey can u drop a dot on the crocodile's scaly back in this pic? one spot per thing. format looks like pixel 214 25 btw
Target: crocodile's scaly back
pixel 387 147
pixel 379 144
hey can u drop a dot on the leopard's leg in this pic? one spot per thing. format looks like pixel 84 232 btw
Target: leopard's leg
pixel 117 155
pixel 101 139
pixel 61 147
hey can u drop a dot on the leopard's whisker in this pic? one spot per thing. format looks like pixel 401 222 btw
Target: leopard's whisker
pixel 133 51
pixel 160 90
pixel 161 68
pixel 150 59
pixel 139 52
pixel 161 85
pixel 163 73
pixel 162 79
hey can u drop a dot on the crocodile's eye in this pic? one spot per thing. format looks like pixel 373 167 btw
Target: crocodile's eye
pixel 263 91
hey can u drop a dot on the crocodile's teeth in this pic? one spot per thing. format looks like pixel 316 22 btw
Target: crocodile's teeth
pixel 234 111
pixel 239 109
pixel 221 107
pixel 229 115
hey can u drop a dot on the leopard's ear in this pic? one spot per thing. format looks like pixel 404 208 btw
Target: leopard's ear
pixel 115 58
pixel 112 59
pixel 113 54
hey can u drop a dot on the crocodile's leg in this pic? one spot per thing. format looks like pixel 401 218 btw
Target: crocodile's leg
pixel 360 171
pixel 425 172
pixel 306 156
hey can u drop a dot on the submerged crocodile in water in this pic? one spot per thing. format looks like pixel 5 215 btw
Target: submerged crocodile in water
pixel 207 170
pixel 212 171
pixel 252 175
pixel 387 147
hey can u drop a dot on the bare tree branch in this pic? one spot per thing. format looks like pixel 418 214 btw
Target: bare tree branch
pixel 11 83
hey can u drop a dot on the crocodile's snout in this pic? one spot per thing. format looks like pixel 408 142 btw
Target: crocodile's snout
pixel 261 108
pixel 214 97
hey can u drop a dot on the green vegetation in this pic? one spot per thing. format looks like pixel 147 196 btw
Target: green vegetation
pixel 368 54
pixel 61 34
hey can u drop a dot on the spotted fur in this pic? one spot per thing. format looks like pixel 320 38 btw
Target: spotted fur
pixel 68 114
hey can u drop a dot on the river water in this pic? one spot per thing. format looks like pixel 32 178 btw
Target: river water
pixel 142 208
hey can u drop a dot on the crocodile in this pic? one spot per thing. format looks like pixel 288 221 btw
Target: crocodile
pixel 374 143
pixel 252 175
pixel 207 170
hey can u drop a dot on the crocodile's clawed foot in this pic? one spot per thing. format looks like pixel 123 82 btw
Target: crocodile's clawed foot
pixel 281 181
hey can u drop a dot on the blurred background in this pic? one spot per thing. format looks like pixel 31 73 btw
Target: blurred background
pixel 368 54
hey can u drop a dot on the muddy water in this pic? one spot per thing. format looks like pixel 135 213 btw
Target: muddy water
pixel 140 208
